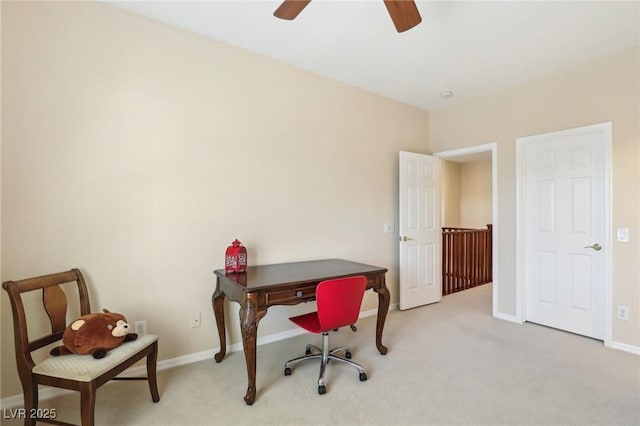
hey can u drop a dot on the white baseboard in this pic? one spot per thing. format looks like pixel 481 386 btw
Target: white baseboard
pixel 507 317
pixel 46 392
pixel 625 347
pixel 613 345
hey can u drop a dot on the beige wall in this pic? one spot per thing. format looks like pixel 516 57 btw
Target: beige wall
pixel 451 194
pixel 138 152
pixel 599 91
pixel 467 194
pixel 475 194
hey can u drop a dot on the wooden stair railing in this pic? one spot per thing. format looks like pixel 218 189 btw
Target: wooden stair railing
pixel 466 258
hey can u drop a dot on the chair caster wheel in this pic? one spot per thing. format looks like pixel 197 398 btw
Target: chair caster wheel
pixel 287 371
pixel 322 390
pixel 363 377
pixel 347 355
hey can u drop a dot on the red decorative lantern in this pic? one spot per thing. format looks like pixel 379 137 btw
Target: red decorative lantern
pixel 235 259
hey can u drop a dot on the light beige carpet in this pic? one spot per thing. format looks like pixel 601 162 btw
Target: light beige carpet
pixel 449 363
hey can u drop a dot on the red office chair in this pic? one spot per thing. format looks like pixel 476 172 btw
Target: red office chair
pixel 338 302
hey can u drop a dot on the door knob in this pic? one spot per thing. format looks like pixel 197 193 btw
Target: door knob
pixel 596 247
pixel 405 238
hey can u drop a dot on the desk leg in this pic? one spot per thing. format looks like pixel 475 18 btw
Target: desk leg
pixel 384 299
pixel 217 301
pixel 249 318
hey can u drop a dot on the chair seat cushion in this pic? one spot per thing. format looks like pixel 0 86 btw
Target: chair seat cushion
pixel 309 322
pixel 85 368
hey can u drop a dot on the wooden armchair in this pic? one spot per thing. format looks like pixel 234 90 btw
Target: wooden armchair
pixel 81 373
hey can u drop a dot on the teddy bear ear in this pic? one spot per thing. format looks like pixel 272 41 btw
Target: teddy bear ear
pixel 77 324
pixel 106 311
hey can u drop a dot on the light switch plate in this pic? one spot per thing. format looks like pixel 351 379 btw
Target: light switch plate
pixel 623 235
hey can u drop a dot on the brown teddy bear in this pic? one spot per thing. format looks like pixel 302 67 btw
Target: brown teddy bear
pixel 95 334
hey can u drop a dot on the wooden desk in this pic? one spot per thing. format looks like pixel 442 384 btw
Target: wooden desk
pixel 285 284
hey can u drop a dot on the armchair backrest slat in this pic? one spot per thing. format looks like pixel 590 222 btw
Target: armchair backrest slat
pixel 55 303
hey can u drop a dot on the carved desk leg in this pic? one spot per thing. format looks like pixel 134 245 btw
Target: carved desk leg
pixel 250 315
pixel 384 299
pixel 217 301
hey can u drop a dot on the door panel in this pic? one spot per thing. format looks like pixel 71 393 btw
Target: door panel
pixel 565 209
pixel 420 231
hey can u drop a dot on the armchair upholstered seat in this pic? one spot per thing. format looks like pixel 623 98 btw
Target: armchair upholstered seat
pixel 82 373
pixel 85 368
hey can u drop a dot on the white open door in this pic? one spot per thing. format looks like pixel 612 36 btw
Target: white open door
pixel 420 230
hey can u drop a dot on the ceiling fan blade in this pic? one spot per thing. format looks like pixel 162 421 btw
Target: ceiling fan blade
pixel 289 9
pixel 404 14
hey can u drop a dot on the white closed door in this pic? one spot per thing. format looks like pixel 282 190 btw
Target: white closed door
pixel 565 210
pixel 420 230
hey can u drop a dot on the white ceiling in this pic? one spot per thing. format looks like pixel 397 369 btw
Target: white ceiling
pixel 470 48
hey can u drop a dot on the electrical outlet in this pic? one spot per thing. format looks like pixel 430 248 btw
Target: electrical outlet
pixel 195 320
pixel 623 313
pixel 140 327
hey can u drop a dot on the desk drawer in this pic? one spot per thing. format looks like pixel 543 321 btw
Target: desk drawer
pixel 291 296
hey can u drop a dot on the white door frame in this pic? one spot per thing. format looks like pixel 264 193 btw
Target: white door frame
pixel 493 148
pixel 520 225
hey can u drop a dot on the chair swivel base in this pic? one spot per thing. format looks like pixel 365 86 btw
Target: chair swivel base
pixel 325 355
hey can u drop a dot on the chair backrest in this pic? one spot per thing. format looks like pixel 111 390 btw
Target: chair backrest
pixel 54 302
pixel 338 301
